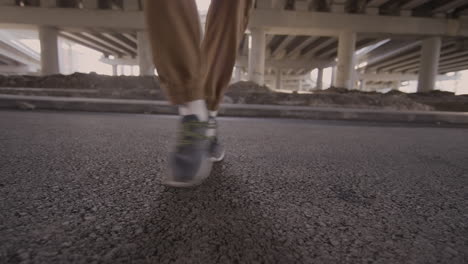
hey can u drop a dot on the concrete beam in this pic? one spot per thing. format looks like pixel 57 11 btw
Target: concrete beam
pixel 120 61
pixel 102 42
pixel 283 22
pixel 116 42
pixel 311 53
pixel 386 77
pixel 17 69
pixel 413 4
pixel 296 52
pixel 389 50
pixel 289 63
pixel 376 3
pixel 453 68
pixel 330 24
pixel 86 42
pixel 70 18
pixel 17 51
pixel 461 57
pixel 412 60
pixel 449 6
pixel 280 51
pixel 120 42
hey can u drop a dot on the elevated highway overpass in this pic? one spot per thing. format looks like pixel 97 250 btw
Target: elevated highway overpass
pixel 366 42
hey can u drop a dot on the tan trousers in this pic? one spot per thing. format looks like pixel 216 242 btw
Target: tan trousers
pixel 189 68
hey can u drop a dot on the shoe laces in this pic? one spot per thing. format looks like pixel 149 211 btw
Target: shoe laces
pixel 187 135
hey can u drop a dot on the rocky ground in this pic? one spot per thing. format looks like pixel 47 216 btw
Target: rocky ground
pixel 131 87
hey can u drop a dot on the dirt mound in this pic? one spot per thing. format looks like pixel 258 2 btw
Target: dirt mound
pixel 80 80
pixel 128 87
pixel 247 87
pixel 134 87
pixel 334 90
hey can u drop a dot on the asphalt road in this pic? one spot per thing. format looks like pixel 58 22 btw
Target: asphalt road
pixel 85 188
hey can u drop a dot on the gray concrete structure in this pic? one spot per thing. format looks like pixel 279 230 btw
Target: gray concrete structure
pixel 48 37
pixel 145 57
pixel 257 56
pixel 345 67
pixel 319 84
pixel 430 54
pixel 299 35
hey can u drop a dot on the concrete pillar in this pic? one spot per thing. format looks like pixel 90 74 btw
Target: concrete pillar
pixel 237 74
pixel 319 79
pixel 345 67
pixel 145 57
pixel 333 76
pixel 396 85
pixel 48 37
pixel 257 56
pixel 429 66
pixel 278 79
pixel 362 85
pixel 114 70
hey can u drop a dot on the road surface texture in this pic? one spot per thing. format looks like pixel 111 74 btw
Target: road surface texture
pixel 85 188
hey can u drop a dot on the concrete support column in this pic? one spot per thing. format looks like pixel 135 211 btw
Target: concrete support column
pixel 429 66
pixel 319 79
pixel 48 37
pixel 345 67
pixel 278 79
pixel 333 76
pixel 396 85
pixel 114 70
pixel 257 56
pixel 145 57
pixel 237 74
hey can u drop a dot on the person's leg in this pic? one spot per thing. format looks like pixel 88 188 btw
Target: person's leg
pixel 175 35
pixel 225 25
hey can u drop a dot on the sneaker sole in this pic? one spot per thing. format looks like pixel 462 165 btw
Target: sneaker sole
pixel 220 158
pixel 203 174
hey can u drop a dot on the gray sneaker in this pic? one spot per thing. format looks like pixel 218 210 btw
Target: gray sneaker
pixel 191 162
pixel 216 149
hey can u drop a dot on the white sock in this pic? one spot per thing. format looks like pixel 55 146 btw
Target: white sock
pixel 213 113
pixel 197 107
pixel 183 111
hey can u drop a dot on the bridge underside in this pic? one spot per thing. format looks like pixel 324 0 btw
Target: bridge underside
pixel 365 41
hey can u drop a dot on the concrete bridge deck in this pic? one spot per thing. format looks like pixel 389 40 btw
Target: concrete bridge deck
pixel 85 188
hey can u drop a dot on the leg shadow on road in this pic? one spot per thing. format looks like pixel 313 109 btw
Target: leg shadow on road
pixel 220 221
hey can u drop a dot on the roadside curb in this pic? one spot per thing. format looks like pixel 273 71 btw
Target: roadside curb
pixel 238 110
